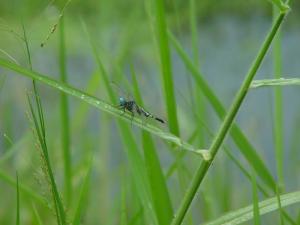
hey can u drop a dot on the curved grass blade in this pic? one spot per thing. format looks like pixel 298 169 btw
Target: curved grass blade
pixel 104 106
pixel 275 82
pixel 159 190
pixel 245 214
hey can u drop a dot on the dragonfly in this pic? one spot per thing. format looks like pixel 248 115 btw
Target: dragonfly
pixel 131 106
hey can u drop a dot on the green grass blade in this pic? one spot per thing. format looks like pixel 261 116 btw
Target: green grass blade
pixel 278 107
pixel 275 82
pixel 281 215
pixel 237 135
pixel 245 214
pixel 64 114
pixel 82 196
pixel 166 66
pixel 104 106
pixel 256 216
pixel 159 190
pixel 18 201
pixel 226 124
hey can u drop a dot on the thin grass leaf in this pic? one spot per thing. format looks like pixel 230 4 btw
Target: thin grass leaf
pixel 159 190
pixel 18 201
pixel 81 205
pixel 256 215
pixel 245 214
pixel 226 124
pixel 64 114
pixel 279 206
pixel 104 106
pixel 278 107
pixel 166 68
pixel 275 82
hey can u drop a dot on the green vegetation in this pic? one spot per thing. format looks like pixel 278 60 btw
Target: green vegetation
pixel 82 159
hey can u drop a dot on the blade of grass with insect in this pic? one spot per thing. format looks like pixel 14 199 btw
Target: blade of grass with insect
pixel 83 194
pixel 226 124
pixel 18 201
pixel 275 82
pixel 245 214
pixel 159 190
pixel 135 159
pixel 64 115
pixel 166 67
pixel 256 216
pixel 104 106
pixel 239 138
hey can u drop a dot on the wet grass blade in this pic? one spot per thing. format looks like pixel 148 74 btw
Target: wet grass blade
pixel 226 124
pixel 245 214
pixel 64 115
pixel 275 82
pixel 166 67
pixel 18 201
pixel 159 190
pixel 104 106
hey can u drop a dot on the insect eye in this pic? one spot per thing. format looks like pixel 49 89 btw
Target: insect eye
pixel 121 100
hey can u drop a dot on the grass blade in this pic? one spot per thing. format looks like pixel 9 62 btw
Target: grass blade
pixel 166 67
pixel 64 113
pixel 104 106
pixel 220 136
pixel 159 190
pixel 275 82
pixel 245 214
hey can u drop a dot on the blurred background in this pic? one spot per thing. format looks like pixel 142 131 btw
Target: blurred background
pixel 229 34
